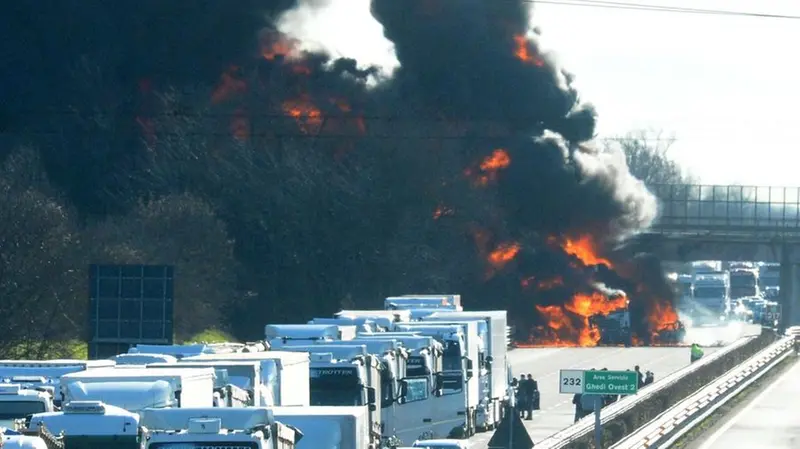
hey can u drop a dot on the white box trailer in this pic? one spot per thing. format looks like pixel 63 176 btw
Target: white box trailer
pixel 405 302
pixel 24 371
pixel 327 427
pixel 135 389
pixel 284 374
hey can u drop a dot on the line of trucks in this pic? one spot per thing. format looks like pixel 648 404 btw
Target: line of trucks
pixel 713 295
pixel 421 369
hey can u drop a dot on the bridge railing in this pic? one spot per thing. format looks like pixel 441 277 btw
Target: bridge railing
pixel 727 207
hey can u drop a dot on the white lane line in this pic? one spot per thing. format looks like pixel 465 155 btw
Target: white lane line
pixel 709 442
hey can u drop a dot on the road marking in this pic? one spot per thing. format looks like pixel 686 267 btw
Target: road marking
pixel 709 442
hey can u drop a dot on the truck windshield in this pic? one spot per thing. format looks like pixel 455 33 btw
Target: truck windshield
pixel 743 280
pixel 709 292
pixel 452 382
pixel 20 409
pixel 416 366
pixel 451 358
pixel 204 445
pixel 332 389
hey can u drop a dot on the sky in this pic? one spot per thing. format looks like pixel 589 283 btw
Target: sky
pixel 723 86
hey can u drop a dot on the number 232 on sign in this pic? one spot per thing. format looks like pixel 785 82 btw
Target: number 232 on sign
pixel 570 381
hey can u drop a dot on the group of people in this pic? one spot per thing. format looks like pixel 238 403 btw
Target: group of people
pixel 584 404
pixel 526 390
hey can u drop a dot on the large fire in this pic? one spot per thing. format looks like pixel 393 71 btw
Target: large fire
pixel 569 322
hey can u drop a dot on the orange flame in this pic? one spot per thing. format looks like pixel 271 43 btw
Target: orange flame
pixel 524 51
pixel 308 117
pixel 662 317
pixel 230 85
pixel 503 254
pixel 274 45
pixel 585 249
pixel 490 166
pixel 569 324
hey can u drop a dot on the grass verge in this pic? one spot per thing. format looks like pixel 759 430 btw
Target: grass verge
pixel 715 418
pixel 211 336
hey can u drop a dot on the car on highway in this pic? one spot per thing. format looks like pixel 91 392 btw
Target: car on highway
pixel 442 444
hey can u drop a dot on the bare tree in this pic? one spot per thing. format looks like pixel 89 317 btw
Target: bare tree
pixel 647 156
pixel 39 287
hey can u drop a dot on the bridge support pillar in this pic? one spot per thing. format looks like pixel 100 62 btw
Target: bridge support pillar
pixel 789 288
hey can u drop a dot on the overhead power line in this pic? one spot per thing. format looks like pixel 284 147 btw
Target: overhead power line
pixel 661 8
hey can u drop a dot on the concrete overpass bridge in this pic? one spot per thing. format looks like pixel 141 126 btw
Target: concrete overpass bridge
pixel 730 222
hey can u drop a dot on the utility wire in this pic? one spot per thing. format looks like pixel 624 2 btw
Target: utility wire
pixel 661 8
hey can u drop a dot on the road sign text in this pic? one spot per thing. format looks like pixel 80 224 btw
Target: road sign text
pixel 610 382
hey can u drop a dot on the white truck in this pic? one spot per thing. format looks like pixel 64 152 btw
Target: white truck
pixel 234 382
pixel 711 299
pixel 44 373
pixel 10 439
pixel 405 302
pixel 223 428
pixel 143 359
pixel 91 425
pixel 396 316
pixel 460 385
pixel 284 375
pixel 135 389
pixel 17 402
pixel 347 375
pixel 492 331
pixel 362 324
pixel 706 267
pixel 328 427
pixel 278 334
pixel 192 349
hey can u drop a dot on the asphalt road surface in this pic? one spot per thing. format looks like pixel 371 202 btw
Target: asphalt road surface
pixel 557 411
pixel 771 420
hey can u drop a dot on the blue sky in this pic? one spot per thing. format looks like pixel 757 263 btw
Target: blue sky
pixel 727 88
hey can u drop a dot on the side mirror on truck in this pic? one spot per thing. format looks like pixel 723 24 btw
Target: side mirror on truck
pixel 469 369
pixel 371 399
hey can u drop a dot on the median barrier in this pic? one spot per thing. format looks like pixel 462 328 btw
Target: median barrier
pixel 633 412
pixel 676 422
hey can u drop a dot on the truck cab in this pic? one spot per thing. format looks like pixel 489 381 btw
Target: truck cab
pixel 711 298
pixel 459 384
pixel 17 402
pixel 346 375
pixel 91 425
pixel 252 428
pixel 493 362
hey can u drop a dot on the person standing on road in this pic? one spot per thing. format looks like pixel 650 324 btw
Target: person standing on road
pixel 522 395
pixel 639 375
pixel 534 395
pixel 696 352
pixel 576 401
pixel 649 378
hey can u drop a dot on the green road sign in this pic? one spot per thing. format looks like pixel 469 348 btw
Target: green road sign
pixel 610 382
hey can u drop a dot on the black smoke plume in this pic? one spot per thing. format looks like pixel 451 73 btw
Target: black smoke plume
pixel 473 79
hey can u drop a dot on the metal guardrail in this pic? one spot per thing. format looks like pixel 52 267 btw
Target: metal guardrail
pixel 586 425
pixel 679 419
pixel 728 208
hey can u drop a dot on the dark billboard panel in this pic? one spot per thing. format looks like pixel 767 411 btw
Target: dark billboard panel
pixel 129 304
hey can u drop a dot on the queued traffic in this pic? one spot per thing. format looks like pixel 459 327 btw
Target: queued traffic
pixel 419 370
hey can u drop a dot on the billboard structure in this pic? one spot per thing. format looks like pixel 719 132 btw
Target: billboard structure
pixel 129 304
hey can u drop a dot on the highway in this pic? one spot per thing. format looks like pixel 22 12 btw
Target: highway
pixel 771 420
pixel 557 411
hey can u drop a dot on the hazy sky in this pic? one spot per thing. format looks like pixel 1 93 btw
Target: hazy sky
pixel 724 86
